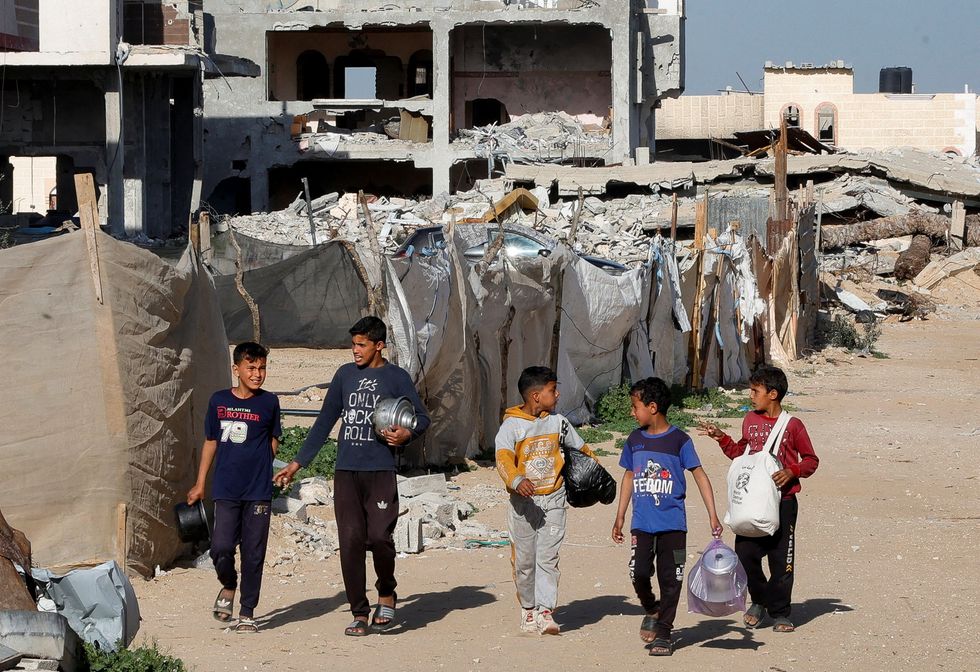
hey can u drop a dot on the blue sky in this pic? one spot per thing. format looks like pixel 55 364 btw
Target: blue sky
pixel 939 40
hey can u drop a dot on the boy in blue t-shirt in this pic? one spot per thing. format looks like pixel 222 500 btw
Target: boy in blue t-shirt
pixel 655 457
pixel 242 429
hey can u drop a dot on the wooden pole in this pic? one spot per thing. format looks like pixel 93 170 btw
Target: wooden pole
pixel 253 307
pixel 560 288
pixel 88 212
pixel 122 536
pixel 309 209
pixel 381 291
pixel 673 217
pixel 694 347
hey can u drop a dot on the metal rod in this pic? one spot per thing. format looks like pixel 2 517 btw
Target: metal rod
pixel 301 412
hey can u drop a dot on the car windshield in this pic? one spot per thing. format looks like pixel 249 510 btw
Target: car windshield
pixel 516 245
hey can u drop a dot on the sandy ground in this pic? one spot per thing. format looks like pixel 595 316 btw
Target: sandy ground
pixel 886 559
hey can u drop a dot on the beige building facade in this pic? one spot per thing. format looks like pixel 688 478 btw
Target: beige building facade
pixel 821 100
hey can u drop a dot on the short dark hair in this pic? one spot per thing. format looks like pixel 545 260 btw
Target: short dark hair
pixel 772 378
pixel 652 391
pixel 373 328
pixel 249 350
pixel 533 378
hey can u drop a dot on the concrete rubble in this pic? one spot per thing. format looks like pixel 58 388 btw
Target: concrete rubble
pixel 431 515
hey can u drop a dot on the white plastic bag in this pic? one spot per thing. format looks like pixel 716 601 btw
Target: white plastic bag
pixel 753 498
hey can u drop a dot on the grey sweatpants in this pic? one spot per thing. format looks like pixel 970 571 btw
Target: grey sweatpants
pixel 537 528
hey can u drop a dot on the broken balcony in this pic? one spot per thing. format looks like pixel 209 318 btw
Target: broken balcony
pixel 369 90
pixel 531 93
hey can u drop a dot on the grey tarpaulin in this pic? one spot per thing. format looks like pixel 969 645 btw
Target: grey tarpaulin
pixel 598 311
pixel 308 299
pixel 98 602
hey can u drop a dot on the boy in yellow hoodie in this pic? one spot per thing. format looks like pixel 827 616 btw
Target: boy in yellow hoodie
pixel 529 460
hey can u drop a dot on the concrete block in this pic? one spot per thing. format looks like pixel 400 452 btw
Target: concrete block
pixel 44 635
pixel 37 664
pixel 290 506
pixel 642 156
pixel 408 535
pixel 8 658
pixel 314 490
pixel 413 487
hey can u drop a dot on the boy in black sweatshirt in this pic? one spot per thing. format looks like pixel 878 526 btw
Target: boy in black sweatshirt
pixel 365 486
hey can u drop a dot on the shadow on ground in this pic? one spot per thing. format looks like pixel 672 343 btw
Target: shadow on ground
pixel 582 613
pixel 418 611
pixel 302 611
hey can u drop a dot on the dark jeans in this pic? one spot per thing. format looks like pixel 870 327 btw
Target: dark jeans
pixel 366 506
pixel 776 592
pixel 246 524
pixel 668 551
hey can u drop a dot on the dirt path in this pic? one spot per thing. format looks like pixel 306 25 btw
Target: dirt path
pixel 886 556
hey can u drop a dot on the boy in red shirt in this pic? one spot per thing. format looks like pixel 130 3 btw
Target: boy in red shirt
pixel 795 453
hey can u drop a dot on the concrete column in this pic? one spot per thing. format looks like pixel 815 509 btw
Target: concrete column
pixel 114 156
pixel 65 184
pixel 441 105
pixel 259 183
pixel 622 91
pixel 134 176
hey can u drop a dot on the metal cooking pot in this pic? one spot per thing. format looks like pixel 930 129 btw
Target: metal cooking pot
pixel 394 412
pixel 192 522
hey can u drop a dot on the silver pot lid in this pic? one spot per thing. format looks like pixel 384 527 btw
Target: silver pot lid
pixel 394 412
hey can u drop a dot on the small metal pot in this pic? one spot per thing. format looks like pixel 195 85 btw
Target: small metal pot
pixel 192 522
pixel 394 412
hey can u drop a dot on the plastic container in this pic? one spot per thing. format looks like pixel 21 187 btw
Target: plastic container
pixel 716 583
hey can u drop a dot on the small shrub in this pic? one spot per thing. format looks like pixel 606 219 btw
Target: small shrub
pixel 593 435
pixel 615 406
pixel 322 465
pixel 141 659
pixel 842 334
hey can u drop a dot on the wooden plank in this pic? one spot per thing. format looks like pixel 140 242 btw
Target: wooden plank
pixel 88 212
pixel 673 217
pixel 517 197
pixel 694 345
pixel 122 536
pixel 957 226
pixel 412 127
pixel 782 196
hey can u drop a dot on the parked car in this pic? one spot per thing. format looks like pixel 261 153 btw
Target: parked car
pixel 429 240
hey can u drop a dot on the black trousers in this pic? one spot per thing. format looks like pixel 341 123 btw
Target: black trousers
pixel 366 506
pixel 776 592
pixel 245 524
pixel 668 552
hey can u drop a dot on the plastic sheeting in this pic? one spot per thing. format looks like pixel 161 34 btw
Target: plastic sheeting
pixel 104 420
pixel 308 299
pixel 98 602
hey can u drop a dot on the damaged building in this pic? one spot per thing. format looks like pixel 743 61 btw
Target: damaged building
pixel 107 87
pixel 423 97
pixel 821 101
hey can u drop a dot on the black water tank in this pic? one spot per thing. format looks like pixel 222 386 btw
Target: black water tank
pixel 895 80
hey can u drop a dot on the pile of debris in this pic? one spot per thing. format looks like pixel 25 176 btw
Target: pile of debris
pixel 612 228
pixel 430 516
pixel 540 138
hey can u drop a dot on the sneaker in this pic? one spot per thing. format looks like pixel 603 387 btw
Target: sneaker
pixel 529 621
pixel 546 623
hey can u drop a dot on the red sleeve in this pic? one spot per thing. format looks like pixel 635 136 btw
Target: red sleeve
pixel 730 446
pixel 807 460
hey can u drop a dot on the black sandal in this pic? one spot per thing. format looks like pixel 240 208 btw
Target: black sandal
pixel 648 628
pixel 783 624
pixel 357 628
pixel 221 610
pixel 756 611
pixel 661 647
pixel 384 616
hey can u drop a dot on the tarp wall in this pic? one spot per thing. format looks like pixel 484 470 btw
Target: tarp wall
pixel 104 422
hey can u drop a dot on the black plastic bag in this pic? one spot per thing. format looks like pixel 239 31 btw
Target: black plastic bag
pixel 586 481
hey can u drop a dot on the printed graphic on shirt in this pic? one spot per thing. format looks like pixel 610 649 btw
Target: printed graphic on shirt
pixel 652 481
pixel 540 464
pixel 358 425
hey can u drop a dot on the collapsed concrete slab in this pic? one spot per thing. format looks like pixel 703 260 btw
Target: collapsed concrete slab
pixel 38 634
pixel 413 487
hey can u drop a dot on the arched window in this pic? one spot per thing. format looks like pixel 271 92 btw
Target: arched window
pixel 312 76
pixel 791 113
pixel 827 123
